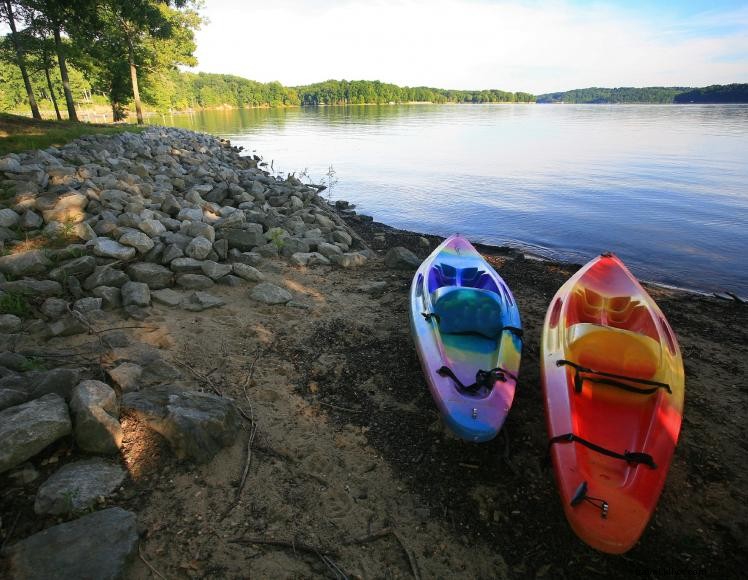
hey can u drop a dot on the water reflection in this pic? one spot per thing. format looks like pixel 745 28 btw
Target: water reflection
pixel 663 186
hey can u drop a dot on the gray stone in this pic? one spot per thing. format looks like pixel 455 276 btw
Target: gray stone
pixel 95 416
pixel 186 266
pixel 10 323
pixel 30 220
pixel 87 304
pixel 199 301
pixel 329 250
pixel 293 246
pixel 154 275
pixel 67 208
pixel 9 218
pixel 135 294
pixel 152 228
pixel 13 361
pixel 247 272
pixel 108 248
pixel 9 164
pixel 342 237
pixel 402 259
pixel 31 288
pixel 77 267
pixel 221 248
pixel 309 259
pixel 200 229
pixel 138 240
pixel 67 326
pixel 111 297
pixel 31 263
pixel 352 260
pixel 73 286
pixel 100 545
pixel 105 276
pixel 214 270
pixel 325 222
pixel 126 376
pixel 58 381
pixel 12 397
pixel 167 296
pixel 231 281
pixel 198 248
pixel 194 281
pixel 197 425
pixel 267 251
pixel 54 308
pixel 171 252
pixel 78 486
pixel 190 214
pixel 28 428
pixel 268 293
pixel 244 240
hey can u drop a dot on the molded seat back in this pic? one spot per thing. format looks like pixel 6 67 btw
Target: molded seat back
pixel 613 350
pixel 468 310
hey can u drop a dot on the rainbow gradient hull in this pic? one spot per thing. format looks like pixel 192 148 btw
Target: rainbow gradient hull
pixel 464 318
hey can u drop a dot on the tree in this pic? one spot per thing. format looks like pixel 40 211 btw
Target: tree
pixel 6 12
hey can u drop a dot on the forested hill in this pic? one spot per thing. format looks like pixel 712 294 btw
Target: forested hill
pixel 734 93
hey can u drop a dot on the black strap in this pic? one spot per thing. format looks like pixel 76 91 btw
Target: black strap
pixel 579 379
pixel 482 378
pixel 429 315
pixel 630 456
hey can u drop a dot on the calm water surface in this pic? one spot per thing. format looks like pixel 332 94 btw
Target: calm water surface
pixel 664 187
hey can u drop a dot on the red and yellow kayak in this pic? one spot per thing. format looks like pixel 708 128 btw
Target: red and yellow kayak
pixel 613 383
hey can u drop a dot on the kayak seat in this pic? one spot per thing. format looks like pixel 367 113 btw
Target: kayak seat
pixel 613 350
pixel 465 310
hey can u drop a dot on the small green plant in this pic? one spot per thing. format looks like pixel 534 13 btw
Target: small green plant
pixel 332 181
pixel 34 364
pixel 276 236
pixel 17 304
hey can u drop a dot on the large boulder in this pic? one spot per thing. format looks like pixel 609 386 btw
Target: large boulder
pixel 28 428
pixel 101 545
pixel 78 486
pixel 108 248
pixel 95 416
pixel 135 294
pixel 33 288
pixel 268 293
pixel 402 259
pixel 77 267
pixel 31 263
pixel 197 425
pixel 154 275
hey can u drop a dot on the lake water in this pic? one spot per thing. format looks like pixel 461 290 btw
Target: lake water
pixel 663 186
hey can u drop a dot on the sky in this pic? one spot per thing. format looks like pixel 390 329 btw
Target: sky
pixel 515 45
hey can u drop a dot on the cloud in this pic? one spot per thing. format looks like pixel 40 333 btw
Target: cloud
pixel 531 46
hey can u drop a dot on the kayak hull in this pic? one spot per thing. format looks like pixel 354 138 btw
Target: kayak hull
pixel 473 305
pixel 602 320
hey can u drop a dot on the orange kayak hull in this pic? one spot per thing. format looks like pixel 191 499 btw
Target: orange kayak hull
pixel 618 389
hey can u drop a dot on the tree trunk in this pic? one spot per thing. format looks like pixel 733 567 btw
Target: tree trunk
pixel 21 61
pixel 51 90
pixel 134 79
pixel 72 115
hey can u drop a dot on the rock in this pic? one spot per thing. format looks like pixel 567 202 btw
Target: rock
pixel 10 324
pixel 197 425
pixel 95 417
pixel 111 297
pixel 12 397
pixel 126 376
pixel 9 218
pixel 352 260
pixel 199 301
pixel 294 245
pixel 186 266
pixel 309 259
pixel 67 208
pixel 33 288
pixel 194 281
pixel 152 228
pixel 57 381
pixel 154 275
pixel 55 308
pixel 78 267
pixel 167 296
pixel 329 250
pixel 249 258
pixel 402 259
pixel 247 272
pixel 171 252
pixel 105 276
pixel 190 214
pixel 108 248
pixel 268 293
pixel 230 280
pixel 31 263
pixel 135 294
pixel 244 240
pixel 28 428
pixel 221 248
pixel 100 545
pixel 200 230
pixel 67 326
pixel 138 240
pixel 78 486
pixel 198 248
pixel 214 270
pixel 13 361
pixel 373 287
pixel 30 220
pixel 87 304
pixel 9 164
pixel 342 237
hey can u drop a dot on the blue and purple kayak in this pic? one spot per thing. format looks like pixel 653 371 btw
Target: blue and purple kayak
pixel 468 335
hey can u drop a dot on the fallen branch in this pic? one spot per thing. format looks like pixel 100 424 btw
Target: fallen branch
pixel 409 554
pixel 371 537
pixel 336 407
pixel 200 376
pixel 147 563
pixel 304 547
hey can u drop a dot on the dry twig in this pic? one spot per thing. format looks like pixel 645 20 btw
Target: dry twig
pixel 147 563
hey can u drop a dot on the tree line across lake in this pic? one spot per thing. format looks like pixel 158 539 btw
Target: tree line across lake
pixel 125 54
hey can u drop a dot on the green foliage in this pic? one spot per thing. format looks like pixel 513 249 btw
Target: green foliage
pixel 596 95
pixel 34 364
pixel 15 304
pixel 734 93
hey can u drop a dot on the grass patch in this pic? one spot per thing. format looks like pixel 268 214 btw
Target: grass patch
pixel 22 133
pixel 15 304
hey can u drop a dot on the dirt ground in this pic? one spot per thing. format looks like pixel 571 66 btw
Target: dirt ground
pixel 352 473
